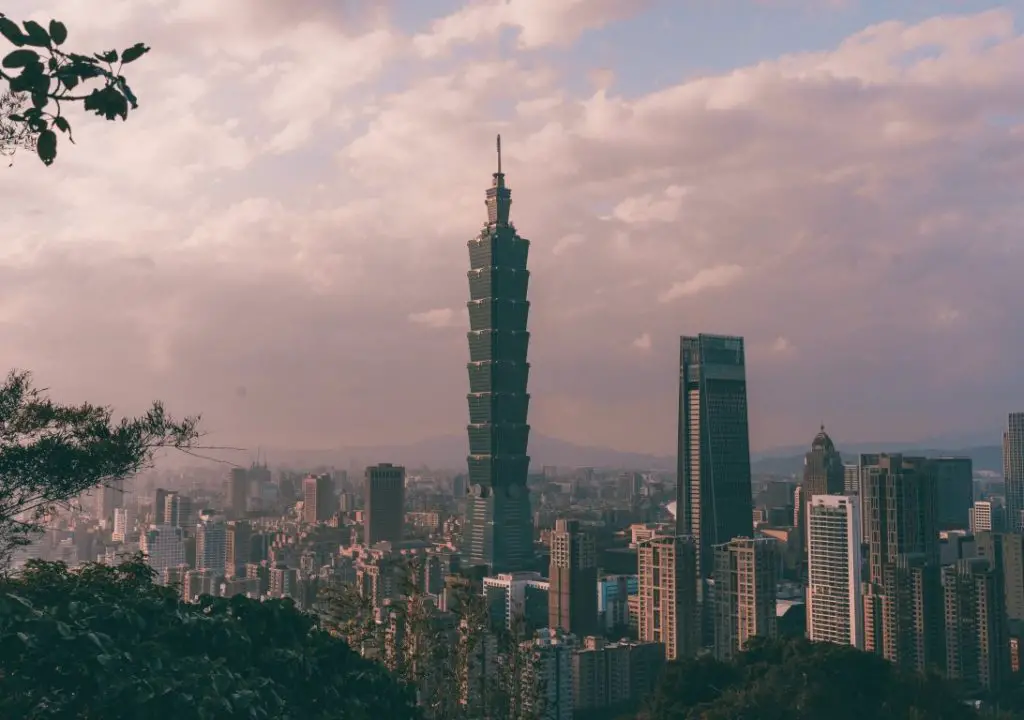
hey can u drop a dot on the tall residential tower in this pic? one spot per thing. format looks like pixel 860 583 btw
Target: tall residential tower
pixel 1013 471
pixel 498 532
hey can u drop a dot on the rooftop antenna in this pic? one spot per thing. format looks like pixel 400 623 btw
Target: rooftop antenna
pixel 499 153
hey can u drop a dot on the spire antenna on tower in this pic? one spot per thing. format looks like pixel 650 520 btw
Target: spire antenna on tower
pixel 499 153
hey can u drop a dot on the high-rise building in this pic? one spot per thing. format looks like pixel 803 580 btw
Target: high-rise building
pixel 954 479
pixel 669 613
pixel 746 583
pixel 1005 553
pixel 903 598
pixel 986 516
pixel 163 546
pixel 498 528
pixel 177 510
pixel 237 547
pixel 517 601
pixel 108 497
pixel 317 499
pixel 237 492
pixel 835 612
pixel 1013 470
pixel 713 493
pixel 977 647
pixel 824 474
pixel 547 679
pixel 851 480
pixel 384 495
pixel 573 577
pixel 159 503
pixel 898 493
pixel 124 524
pixel 211 542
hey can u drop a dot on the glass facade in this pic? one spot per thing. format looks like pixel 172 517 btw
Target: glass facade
pixel 498 532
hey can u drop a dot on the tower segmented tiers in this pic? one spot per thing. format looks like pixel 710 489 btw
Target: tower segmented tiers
pixel 498 532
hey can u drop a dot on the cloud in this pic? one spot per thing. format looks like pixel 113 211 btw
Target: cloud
pixel 712 278
pixel 295 182
pixel 643 342
pixel 438 318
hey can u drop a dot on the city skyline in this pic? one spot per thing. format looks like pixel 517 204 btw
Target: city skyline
pixel 824 189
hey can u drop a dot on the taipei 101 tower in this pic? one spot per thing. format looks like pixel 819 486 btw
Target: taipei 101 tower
pixel 498 531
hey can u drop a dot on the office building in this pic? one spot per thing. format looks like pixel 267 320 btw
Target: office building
pixel 1013 471
pixel 573 578
pixel 108 497
pixel 713 493
pixel 124 524
pixel 384 495
pixel 237 548
pixel 211 542
pixel 667 597
pixel 977 647
pixel 159 503
pixel 851 480
pixel 163 546
pixel 1005 553
pixel 954 479
pixel 835 612
pixel 237 492
pixel 746 581
pixel 317 499
pixel 613 593
pixel 177 510
pixel 610 677
pixel 823 475
pixel 498 528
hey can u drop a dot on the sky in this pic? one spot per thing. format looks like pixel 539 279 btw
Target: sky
pixel 276 238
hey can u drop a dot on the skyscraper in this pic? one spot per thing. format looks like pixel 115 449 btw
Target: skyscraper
pixel 835 612
pixel 498 531
pixel 669 613
pixel 211 542
pixel 903 599
pixel 572 599
pixel 1005 553
pixel 1013 471
pixel 384 494
pixel 954 478
pixel 237 492
pixel 317 499
pixel 824 474
pixel 746 582
pixel 713 494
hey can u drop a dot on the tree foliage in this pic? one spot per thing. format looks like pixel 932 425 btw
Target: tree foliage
pixel 106 642
pixel 50 453
pixel 458 664
pixel 43 77
pixel 800 680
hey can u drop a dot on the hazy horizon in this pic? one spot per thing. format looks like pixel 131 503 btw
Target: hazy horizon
pixel 277 238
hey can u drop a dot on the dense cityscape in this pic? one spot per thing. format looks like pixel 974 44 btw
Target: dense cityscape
pixel 602 574
pixel 151 568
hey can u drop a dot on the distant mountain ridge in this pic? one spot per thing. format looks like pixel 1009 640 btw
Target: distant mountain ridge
pixel 448 452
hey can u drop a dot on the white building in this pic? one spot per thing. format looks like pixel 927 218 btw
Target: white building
pixel 834 604
pixel 164 547
pixel 124 524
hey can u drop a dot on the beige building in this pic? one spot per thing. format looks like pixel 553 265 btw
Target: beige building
pixel 746 581
pixel 668 595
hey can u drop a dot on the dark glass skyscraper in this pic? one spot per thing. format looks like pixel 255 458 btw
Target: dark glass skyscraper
pixel 713 496
pixel 498 531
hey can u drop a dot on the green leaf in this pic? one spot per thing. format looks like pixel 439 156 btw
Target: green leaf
pixel 62 124
pixel 12 32
pixel 58 32
pixel 37 34
pixel 46 148
pixel 20 58
pixel 133 53
pixel 108 57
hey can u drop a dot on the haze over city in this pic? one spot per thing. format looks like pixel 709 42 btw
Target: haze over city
pixel 277 238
